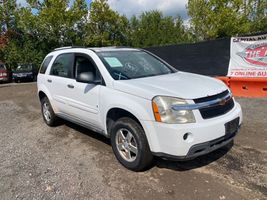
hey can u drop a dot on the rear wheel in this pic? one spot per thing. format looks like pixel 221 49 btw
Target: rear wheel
pixel 130 145
pixel 47 111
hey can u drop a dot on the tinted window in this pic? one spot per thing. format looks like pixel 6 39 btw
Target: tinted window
pixel 24 67
pixel 62 66
pixel 84 64
pixel 45 64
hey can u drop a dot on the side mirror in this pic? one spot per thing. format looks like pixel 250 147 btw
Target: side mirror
pixel 87 77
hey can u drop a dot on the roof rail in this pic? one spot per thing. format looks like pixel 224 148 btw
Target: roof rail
pixel 91 48
pixel 68 47
pixel 115 47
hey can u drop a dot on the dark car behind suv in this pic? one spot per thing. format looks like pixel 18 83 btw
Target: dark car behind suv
pixel 25 72
pixel 5 73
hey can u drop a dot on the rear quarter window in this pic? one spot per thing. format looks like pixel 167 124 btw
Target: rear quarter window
pixel 45 64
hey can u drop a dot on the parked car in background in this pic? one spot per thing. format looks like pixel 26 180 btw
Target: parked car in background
pixel 5 73
pixel 25 72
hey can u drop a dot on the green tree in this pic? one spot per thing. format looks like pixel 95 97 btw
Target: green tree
pixel 55 22
pixel 106 27
pixel 22 48
pixel 8 10
pixel 41 27
pixel 221 18
pixel 8 24
pixel 259 16
pixel 153 29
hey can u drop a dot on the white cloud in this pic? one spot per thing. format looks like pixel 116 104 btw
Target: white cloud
pixel 136 7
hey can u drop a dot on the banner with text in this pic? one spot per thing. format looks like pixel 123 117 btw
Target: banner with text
pixel 248 57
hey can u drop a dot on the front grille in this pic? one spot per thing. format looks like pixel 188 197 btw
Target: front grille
pixel 216 110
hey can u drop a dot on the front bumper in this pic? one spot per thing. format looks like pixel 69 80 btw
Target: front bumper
pixel 167 140
pixel 201 149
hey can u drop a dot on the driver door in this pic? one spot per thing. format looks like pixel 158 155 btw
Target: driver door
pixel 83 97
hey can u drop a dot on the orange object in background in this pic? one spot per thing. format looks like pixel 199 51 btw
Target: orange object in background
pixel 246 87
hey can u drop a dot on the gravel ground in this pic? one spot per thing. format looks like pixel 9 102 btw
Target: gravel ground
pixel 70 162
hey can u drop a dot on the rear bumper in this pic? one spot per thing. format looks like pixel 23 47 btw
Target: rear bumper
pixel 4 79
pixel 201 149
pixel 26 78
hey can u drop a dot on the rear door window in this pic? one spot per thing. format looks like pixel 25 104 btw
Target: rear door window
pixel 45 64
pixel 63 66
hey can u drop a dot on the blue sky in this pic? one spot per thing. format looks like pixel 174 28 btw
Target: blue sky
pixel 136 7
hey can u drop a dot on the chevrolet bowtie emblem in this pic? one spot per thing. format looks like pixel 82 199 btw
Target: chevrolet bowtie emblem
pixel 222 102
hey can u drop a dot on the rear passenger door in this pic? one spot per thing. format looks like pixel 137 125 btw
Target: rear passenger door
pixel 61 73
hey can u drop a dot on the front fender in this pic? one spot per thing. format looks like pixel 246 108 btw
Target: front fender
pixel 139 107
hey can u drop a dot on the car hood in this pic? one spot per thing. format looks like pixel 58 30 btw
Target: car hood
pixel 181 84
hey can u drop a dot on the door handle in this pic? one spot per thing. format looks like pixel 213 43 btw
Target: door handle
pixel 49 80
pixel 70 86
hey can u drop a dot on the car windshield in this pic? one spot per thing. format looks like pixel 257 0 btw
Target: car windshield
pixel 24 67
pixel 132 64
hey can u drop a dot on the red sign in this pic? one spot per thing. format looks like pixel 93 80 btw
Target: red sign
pixel 255 54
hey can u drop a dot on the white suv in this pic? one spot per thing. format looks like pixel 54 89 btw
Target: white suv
pixel 146 107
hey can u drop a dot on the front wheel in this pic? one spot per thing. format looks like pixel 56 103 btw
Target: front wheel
pixel 130 145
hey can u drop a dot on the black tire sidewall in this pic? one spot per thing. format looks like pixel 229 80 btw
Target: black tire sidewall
pixel 140 138
pixel 53 116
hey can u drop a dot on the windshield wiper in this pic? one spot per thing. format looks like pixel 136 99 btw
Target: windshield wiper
pixel 121 76
pixel 150 75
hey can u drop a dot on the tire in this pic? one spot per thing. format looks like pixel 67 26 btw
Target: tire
pixel 135 156
pixel 47 112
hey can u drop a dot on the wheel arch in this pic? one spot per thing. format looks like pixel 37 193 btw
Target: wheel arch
pixel 41 95
pixel 115 113
pixel 43 92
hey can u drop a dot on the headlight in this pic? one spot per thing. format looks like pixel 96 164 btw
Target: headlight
pixel 162 107
pixel 4 74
